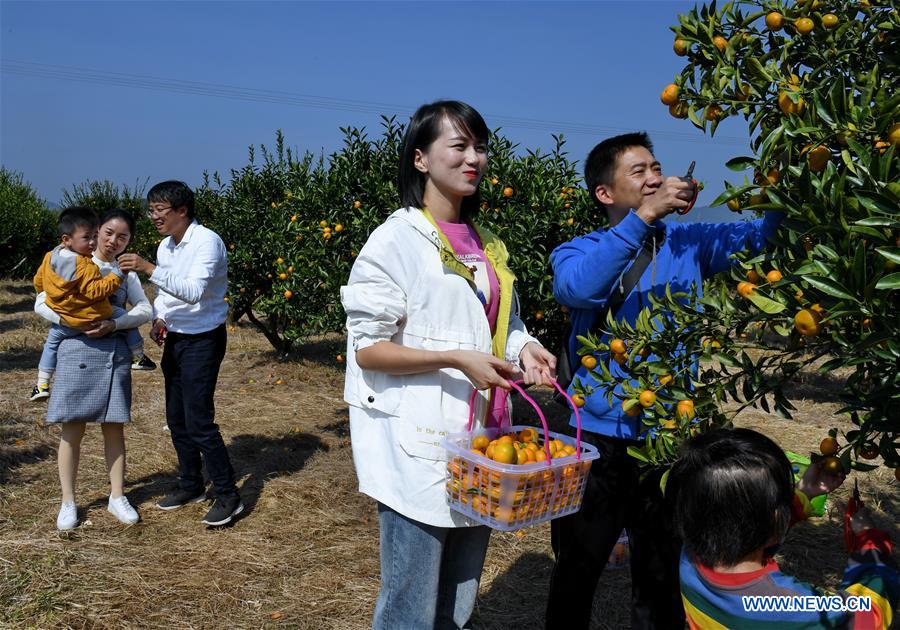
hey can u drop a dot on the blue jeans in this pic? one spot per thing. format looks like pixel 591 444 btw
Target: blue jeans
pixel 429 575
pixel 58 332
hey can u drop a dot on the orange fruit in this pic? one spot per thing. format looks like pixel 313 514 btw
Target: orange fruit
pixel 480 442
pixel 279 261
pixel 666 379
pixel 540 455
pixel 678 110
pixel 357 204
pixel 633 411
pixel 869 451
pixel 804 25
pixel 669 424
pixel 681 47
pixel 806 321
pixel 617 346
pixel 773 276
pixel 830 21
pixel 521 456
pixel 528 435
pixel 832 465
pixel 817 157
pixel 774 21
pixel 323 223
pixel 508 191
pixel 746 288
pixel 669 95
pixel 282 276
pixel 787 105
pixel 685 409
pixel 894 134
pixel 589 362
pixel 734 204
pixel 621 359
pixel 752 276
pixel 578 399
pixel 828 446
pixel 713 112
pixel 505 453
pixel 338 228
pixel 339 358
pixel 539 315
pixel 288 294
pixel 720 42
pixel 507 439
pixel 647 398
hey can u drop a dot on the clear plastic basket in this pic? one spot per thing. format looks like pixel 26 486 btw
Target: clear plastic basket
pixel 508 497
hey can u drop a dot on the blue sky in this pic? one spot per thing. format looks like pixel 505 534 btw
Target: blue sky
pixel 599 65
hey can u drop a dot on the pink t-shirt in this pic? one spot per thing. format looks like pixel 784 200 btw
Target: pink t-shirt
pixel 467 246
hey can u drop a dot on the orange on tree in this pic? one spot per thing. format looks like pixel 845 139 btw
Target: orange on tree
pixel 323 223
pixel 734 204
pixel 774 21
pixel 669 95
pixel 647 398
pixel 713 112
pixel 338 228
pixel 869 451
pixel 282 276
pixel 617 346
pixel 508 191
pixel 288 294
pixel 720 42
pixel 589 362
pixel 828 446
pixel 773 276
pixel 788 105
pixel 678 110
pixel 804 25
pixel 806 321
pixel 681 47
pixel 829 21
pixel 894 134
pixel 666 379
pixel 753 276
pixel 817 157
pixel 684 410
pixel 634 410
pixel 279 261
pixel 357 204
pixel 621 359
pixel 746 289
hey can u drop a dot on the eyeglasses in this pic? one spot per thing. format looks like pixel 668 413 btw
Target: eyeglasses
pixel 159 211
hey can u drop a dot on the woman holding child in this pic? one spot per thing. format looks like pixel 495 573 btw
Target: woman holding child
pixel 93 375
pixel 431 311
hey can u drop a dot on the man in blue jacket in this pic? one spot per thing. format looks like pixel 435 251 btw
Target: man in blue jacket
pixel 626 180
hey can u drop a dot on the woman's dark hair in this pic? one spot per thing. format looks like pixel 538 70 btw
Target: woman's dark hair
pixel 732 491
pixel 600 165
pixel 174 193
pixel 118 213
pixel 75 217
pixel 424 128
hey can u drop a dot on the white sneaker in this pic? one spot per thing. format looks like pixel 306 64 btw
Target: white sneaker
pixel 122 510
pixel 68 516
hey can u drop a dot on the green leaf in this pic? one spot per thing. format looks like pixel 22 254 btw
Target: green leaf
pixel 663 480
pixel 891 253
pixel 830 287
pixel 889 282
pixel 740 164
pixel 765 304
pixel 638 454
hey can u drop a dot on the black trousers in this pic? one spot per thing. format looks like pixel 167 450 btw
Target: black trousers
pixel 190 365
pixel 616 497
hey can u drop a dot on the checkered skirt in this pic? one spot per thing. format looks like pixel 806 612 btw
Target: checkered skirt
pixel 92 381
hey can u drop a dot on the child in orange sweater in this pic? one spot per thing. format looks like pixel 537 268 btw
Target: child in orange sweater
pixel 77 292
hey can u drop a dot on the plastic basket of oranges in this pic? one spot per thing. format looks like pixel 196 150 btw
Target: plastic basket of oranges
pixel 510 477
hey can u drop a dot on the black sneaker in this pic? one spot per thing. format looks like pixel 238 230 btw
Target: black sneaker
pixel 179 498
pixel 40 392
pixel 145 363
pixel 223 511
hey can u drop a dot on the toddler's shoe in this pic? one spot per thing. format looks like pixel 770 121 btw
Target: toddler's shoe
pixel 40 392
pixel 144 363
pixel 122 510
pixel 68 516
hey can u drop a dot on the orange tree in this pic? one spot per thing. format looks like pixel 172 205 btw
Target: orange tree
pixel 816 82
pixel 294 223
pixel 27 230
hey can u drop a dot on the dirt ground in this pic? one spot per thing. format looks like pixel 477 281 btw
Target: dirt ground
pixel 305 554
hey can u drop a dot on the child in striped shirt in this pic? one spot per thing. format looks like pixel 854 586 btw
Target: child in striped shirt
pixel 734 497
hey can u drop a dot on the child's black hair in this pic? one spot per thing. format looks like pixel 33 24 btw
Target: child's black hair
pixel 732 491
pixel 75 217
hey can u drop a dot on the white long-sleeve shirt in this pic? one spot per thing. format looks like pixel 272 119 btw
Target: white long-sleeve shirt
pixel 140 312
pixel 192 277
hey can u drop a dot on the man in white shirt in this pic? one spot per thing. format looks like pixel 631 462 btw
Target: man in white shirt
pixel 191 273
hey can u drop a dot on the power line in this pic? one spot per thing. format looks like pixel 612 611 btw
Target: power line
pixel 231 92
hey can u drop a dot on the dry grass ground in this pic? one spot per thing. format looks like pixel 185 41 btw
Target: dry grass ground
pixel 306 553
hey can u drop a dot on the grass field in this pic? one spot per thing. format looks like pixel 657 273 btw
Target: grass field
pixel 305 555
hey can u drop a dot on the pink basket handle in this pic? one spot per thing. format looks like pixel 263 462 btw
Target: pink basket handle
pixel 529 399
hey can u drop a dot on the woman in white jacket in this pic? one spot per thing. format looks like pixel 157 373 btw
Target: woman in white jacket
pixel 431 312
